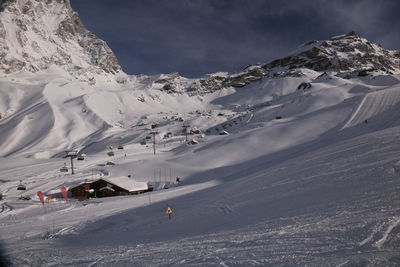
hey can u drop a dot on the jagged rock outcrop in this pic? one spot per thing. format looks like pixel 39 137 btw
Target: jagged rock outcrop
pixel 174 83
pixel 349 53
pixel 37 34
pixel 344 53
pixel 217 82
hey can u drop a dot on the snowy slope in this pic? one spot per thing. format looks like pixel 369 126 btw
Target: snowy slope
pixel 373 104
pixel 275 191
pixel 36 35
pixel 310 204
pixel 292 162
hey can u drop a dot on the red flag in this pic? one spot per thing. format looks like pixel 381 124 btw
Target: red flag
pixel 64 192
pixel 41 197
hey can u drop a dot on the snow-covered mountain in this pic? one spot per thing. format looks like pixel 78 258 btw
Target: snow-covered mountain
pixel 291 162
pixel 344 53
pixel 74 79
pixel 38 34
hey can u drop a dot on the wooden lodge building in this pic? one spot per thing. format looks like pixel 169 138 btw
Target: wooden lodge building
pixel 108 187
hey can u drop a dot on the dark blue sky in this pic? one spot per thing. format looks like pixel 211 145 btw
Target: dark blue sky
pixel 195 37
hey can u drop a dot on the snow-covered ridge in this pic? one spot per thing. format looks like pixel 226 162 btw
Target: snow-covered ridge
pixel 345 53
pixel 288 163
pixel 37 34
pixel 48 58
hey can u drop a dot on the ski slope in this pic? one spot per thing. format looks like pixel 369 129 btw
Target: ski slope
pixel 300 179
pixel 374 103
pixel 342 208
pixel 274 165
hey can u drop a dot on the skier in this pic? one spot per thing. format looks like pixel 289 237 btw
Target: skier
pixel 168 211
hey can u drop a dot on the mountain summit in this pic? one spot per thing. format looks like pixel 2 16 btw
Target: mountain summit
pixel 343 53
pixel 38 34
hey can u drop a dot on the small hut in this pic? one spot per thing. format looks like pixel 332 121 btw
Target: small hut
pixel 108 187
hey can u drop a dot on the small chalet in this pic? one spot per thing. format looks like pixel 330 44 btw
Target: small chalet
pixel 108 187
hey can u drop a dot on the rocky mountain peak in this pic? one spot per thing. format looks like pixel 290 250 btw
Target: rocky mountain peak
pixel 344 53
pixel 37 34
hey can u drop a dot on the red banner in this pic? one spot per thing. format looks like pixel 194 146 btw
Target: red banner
pixel 41 196
pixel 64 192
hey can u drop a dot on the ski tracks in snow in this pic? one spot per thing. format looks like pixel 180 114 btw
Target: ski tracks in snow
pixel 372 104
pixel 4 208
pixel 354 115
pixel 380 234
pixel 226 209
pixel 393 224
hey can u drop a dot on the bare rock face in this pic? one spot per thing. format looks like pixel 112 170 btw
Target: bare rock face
pixel 341 55
pixel 213 83
pixel 345 53
pixel 37 34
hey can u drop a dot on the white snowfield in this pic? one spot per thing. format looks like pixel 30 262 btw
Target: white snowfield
pixel 296 167
pixel 303 177
pixel 374 103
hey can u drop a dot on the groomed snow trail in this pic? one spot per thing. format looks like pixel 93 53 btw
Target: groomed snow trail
pixel 283 188
pixel 318 208
pixel 373 104
pixel 394 223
